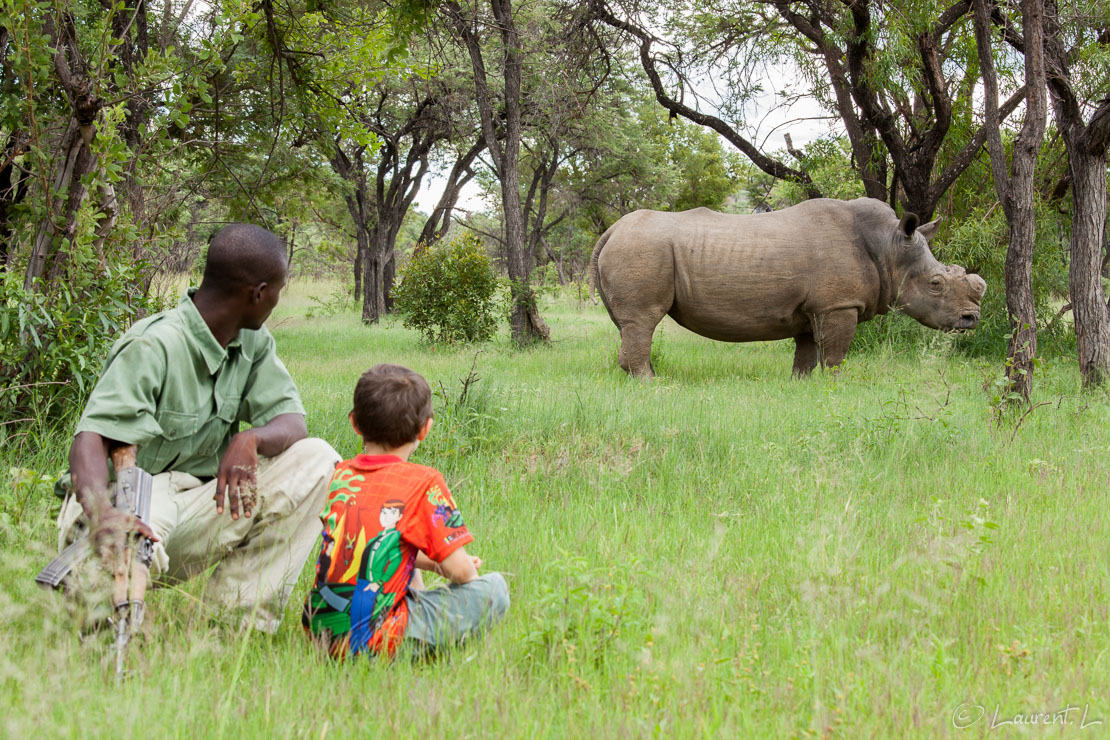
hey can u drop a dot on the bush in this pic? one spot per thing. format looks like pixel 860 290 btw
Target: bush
pixel 448 292
pixel 52 345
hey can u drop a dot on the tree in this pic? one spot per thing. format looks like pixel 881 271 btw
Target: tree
pixel 82 140
pixel 405 126
pixel 896 80
pixel 651 61
pixel 1086 142
pixel 462 171
pixel 372 114
pixel 1015 188
pixel 504 106
pixel 901 81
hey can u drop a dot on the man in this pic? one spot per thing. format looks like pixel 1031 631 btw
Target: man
pixel 177 385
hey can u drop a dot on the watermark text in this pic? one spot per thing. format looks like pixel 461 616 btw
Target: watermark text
pixel 968 714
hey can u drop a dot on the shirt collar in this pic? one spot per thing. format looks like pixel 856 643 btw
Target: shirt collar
pixel 214 355
pixel 363 461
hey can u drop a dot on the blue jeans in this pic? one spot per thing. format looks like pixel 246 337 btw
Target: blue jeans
pixel 449 615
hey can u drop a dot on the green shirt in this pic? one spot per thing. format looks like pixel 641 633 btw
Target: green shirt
pixel 170 388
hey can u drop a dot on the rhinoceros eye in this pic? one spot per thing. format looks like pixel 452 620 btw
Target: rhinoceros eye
pixel 936 281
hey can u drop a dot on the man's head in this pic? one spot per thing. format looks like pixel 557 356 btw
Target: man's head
pixel 246 265
pixel 393 406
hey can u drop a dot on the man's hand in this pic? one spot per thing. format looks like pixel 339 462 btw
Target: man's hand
pixel 237 479
pixel 110 529
pixel 237 475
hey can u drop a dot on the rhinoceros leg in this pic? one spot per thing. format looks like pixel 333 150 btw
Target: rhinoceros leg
pixel 833 333
pixel 805 355
pixel 635 352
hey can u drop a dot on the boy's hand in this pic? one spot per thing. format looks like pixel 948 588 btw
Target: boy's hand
pixel 477 562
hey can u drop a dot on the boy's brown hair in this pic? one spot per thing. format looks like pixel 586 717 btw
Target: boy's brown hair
pixel 391 404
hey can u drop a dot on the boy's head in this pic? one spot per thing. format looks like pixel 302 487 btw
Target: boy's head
pixel 392 406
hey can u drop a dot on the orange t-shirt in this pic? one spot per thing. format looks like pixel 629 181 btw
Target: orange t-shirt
pixel 379 513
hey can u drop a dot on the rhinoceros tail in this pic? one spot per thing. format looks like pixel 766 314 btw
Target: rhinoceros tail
pixel 595 281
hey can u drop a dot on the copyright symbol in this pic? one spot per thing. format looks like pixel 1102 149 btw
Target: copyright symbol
pixel 966 715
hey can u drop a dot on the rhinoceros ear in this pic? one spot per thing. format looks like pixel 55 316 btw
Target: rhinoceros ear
pixel 929 230
pixel 909 223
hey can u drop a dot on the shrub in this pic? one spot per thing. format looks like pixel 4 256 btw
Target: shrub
pixel 448 292
pixel 52 345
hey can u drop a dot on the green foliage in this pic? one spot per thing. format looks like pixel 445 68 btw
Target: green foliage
pixel 979 242
pixel 24 486
pixel 706 172
pixel 448 292
pixel 337 302
pixel 828 161
pixel 52 346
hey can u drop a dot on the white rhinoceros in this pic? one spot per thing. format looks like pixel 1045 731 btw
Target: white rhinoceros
pixel 811 272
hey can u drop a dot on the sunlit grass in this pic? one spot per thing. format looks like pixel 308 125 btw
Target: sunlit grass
pixel 721 551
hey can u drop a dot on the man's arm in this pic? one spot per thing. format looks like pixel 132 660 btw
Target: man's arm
pixel 88 465
pixel 236 474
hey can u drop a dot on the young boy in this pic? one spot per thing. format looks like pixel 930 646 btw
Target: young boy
pixel 384 517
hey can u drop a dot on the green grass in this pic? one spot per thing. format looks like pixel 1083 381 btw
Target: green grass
pixel 723 551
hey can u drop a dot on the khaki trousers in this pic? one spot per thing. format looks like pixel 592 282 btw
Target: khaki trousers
pixel 258 560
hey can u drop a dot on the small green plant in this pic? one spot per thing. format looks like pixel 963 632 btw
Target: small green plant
pixel 585 614
pixel 339 301
pixel 23 486
pixel 468 421
pixel 448 292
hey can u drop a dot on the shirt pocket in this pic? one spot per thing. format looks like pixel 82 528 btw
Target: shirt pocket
pixel 176 424
pixel 178 428
pixel 227 408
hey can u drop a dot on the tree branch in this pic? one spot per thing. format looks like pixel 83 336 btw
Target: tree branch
pixel 676 107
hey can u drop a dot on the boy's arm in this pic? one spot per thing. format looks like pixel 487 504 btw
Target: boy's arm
pixel 458 567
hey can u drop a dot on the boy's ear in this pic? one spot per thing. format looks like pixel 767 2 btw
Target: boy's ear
pixel 425 429
pixel 354 424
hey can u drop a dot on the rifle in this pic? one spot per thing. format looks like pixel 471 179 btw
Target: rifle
pixel 131 572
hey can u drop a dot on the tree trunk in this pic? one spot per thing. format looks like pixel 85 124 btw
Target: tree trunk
pixel 1086 146
pixel 12 192
pixel 387 282
pixel 1092 325
pixel 292 247
pixel 360 255
pixel 1015 190
pixel 362 239
pixel 867 156
pixel 525 323
pixel 1022 211
pixel 373 279
pixel 74 162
